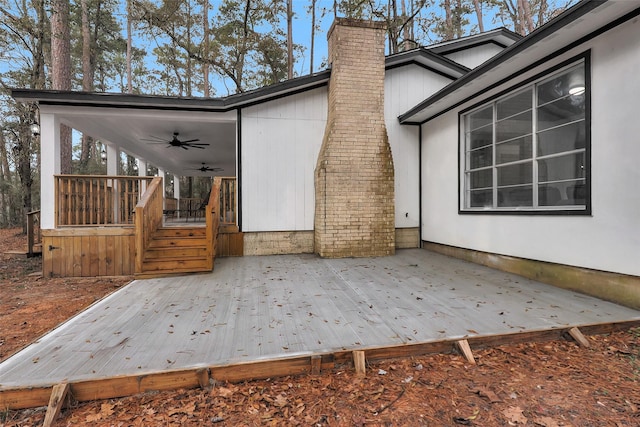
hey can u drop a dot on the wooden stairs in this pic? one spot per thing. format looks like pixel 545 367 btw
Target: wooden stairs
pixel 176 250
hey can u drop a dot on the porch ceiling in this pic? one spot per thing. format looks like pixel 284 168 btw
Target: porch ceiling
pixel 127 128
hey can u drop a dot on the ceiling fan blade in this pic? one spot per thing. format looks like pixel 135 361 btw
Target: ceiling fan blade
pixel 192 146
pixel 184 147
pixel 190 140
pixel 155 138
pixel 204 144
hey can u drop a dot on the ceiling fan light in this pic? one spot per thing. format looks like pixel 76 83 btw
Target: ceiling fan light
pixel 576 90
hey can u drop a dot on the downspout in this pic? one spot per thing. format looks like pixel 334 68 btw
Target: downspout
pixel 239 167
pixel 420 186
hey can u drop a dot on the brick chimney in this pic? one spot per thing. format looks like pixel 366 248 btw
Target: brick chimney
pixel 354 176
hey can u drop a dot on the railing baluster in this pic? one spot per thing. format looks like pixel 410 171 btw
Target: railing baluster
pixel 89 199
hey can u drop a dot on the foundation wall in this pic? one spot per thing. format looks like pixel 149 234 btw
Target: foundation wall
pixel 618 288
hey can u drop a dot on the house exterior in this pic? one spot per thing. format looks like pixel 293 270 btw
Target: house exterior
pixel 517 153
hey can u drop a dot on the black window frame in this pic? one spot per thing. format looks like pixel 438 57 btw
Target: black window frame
pixel 528 84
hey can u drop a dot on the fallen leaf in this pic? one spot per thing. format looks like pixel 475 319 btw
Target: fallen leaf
pixel 223 391
pixel 187 409
pixel 485 392
pixel 93 417
pixel 106 410
pixel 546 422
pixel 515 415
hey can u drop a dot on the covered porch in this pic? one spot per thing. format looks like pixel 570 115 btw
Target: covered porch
pixel 119 223
pixel 266 316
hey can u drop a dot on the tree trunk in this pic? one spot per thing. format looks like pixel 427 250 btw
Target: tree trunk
pixel 520 28
pixel 61 70
pixel 313 32
pixel 527 19
pixel 542 10
pixel 205 43
pixel 5 184
pixel 289 39
pixel 38 80
pixel 189 66
pixel 478 8
pixel 448 20
pixel 129 45
pixel 87 77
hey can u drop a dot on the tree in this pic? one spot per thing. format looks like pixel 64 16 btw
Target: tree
pixel 312 8
pixel 61 70
pixel 24 38
pixel 205 47
pixel 289 39
pixel 477 6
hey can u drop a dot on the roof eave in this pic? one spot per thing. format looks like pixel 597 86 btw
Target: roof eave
pixel 102 99
pixel 520 46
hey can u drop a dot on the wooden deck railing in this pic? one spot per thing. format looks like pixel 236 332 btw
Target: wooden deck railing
pixel 34 235
pixel 97 199
pixel 212 216
pixel 148 218
pixel 228 214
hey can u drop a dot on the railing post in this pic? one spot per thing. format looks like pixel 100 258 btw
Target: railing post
pixel 30 234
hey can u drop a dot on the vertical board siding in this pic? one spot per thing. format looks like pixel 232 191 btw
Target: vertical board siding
pixel 404 88
pixel 280 144
pixel 475 56
pixel 88 252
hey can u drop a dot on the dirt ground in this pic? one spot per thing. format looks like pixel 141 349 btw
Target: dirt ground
pixel 546 384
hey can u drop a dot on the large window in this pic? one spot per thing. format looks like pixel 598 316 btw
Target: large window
pixel 527 150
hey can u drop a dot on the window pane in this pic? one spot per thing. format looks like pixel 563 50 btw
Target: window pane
pixel 561 168
pixel 520 173
pixel 480 137
pixel 514 127
pixel 551 195
pixel 567 193
pixel 481 118
pixel 515 196
pixel 562 85
pixel 481 158
pixel 512 151
pixel 514 105
pixel 561 111
pixel 577 193
pixel 480 198
pixel 481 179
pixel 565 138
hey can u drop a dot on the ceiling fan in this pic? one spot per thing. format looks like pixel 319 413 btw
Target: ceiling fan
pixel 205 168
pixel 175 142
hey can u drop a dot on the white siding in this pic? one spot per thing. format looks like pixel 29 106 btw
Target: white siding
pixel 404 88
pixel 280 144
pixel 475 56
pixel 608 240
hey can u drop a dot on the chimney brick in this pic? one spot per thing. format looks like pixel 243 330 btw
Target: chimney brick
pixel 354 177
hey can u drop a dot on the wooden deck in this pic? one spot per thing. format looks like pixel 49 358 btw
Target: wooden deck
pixel 276 315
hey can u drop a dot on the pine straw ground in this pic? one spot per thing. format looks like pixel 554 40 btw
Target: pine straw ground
pixel 547 384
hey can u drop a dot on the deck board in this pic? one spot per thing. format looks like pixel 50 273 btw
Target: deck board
pixel 273 307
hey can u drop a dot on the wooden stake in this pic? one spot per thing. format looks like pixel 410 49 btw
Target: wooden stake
pixel 465 349
pixel 359 362
pixel 580 339
pixel 316 363
pixel 203 377
pixel 56 401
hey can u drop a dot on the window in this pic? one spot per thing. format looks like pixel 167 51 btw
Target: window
pixel 527 150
